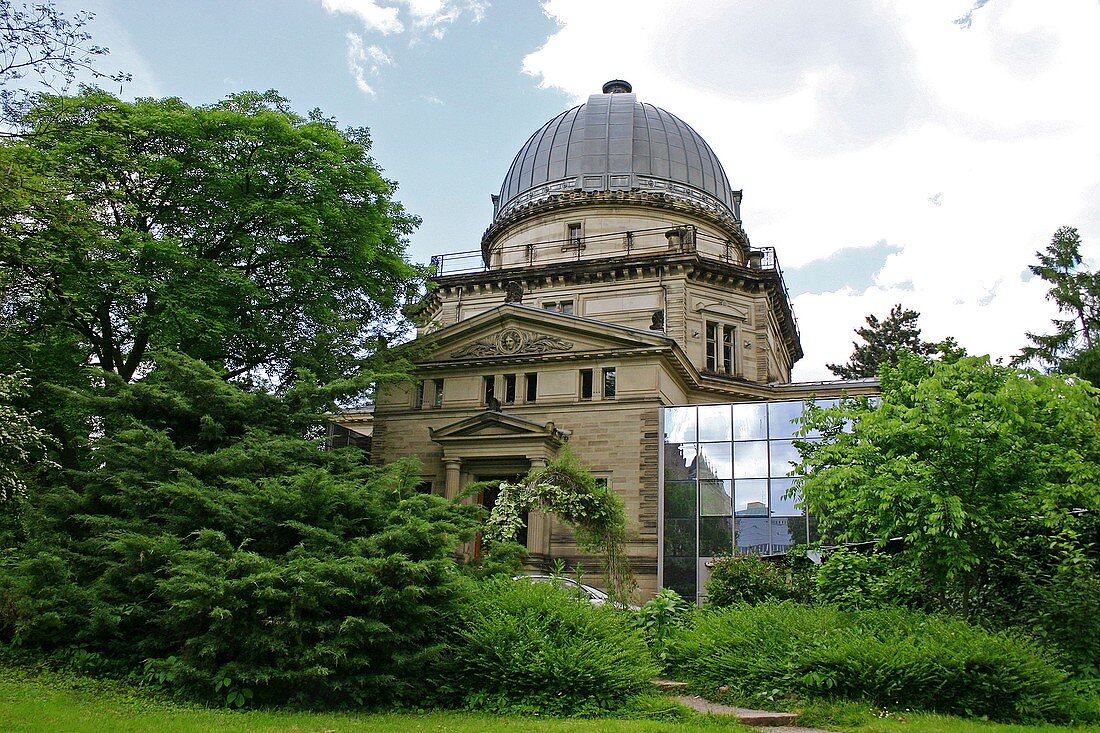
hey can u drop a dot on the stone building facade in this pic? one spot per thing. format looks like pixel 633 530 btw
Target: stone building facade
pixel 614 283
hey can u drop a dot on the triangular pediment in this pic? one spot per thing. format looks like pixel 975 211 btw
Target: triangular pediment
pixel 492 424
pixel 512 330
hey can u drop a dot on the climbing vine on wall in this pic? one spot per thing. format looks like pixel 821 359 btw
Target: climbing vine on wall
pixel 567 489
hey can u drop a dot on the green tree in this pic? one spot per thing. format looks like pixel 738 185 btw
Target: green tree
pixel 21 441
pixel 1074 347
pixel 968 462
pixel 883 341
pixel 238 233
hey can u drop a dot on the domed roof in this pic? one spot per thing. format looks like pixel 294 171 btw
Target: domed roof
pixel 613 142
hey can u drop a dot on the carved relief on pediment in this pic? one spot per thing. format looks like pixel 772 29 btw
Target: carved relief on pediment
pixel 512 341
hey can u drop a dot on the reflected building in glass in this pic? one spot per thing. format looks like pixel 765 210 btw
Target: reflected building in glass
pixel 726 486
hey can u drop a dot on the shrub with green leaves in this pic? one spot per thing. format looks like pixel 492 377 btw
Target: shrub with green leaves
pixel 660 617
pixel 750 579
pixel 869 580
pixel 207 548
pixel 894 657
pixel 526 648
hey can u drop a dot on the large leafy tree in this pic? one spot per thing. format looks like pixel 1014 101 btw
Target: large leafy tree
pixel 970 463
pixel 1074 346
pixel 238 233
pixel 882 341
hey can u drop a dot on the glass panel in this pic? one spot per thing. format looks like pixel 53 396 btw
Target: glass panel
pixel 679 424
pixel 788 532
pixel 715 498
pixel 814 529
pixel 715 461
pixel 751 459
pixel 752 535
pixel 752 498
pixel 680 461
pixel 715 536
pixel 680 537
pixel 783 418
pixel 784 457
pixel 780 505
pixel 680 576
pixel 679 499
pixel 714 422
pixel 750 422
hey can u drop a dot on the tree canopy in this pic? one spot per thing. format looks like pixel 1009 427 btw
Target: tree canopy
pixel 966 461
pixel 1074 347
pixel 883 341
pixel 237 233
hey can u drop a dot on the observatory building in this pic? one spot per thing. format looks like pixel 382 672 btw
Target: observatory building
pixel 617 305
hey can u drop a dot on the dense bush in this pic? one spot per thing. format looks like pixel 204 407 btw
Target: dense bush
pixel 660 617
pixel 889 657
pixel 869 580
pixel 207 549
pixel 535 648
pixel 749 579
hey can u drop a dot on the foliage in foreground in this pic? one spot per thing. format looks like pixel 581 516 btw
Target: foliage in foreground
pixel 205 548
pixel 889 657
pixel 524 648
pixel 749 579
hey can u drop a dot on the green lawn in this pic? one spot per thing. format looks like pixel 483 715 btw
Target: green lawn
pixel 47 702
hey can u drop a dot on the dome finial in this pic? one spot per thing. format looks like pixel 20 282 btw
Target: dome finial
pixel 617 86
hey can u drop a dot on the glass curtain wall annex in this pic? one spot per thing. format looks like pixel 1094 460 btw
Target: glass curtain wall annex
pixel 725 486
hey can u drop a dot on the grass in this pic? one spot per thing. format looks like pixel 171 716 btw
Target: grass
pixel 44 701
pixel 56 702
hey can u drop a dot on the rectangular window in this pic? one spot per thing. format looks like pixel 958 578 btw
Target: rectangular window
pixel 566 307
pixel 418 396
pixel 586 384
pixel 490 388
pixel 574 235
pixel 550 305
pixel 609 383
pixel 532 380
pixel 712 346
pixel 729 335
pixel 509 389
pixel 438 399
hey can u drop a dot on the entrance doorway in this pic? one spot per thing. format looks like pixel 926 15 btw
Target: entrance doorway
pixel 487 498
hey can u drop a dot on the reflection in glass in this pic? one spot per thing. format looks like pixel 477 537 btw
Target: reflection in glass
pixel 680 575
pixel 679 499
pixel 784 457
pixel 824 404
pixel 781 505
pixel 679 424
pixel 715 498
pixel 783 418
pixel 787 532
pixel 752 496
pixel 680 461
pixel 750 421
pixel 715 535
pixel 715 461
pixel 714 422
pixel 680 537
pixel 752 459
pixel 751 535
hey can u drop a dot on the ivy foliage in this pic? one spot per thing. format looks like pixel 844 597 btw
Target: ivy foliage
pixel 206 547
pixel 566 488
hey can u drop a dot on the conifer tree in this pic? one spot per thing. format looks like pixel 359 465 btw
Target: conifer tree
pixel 882 341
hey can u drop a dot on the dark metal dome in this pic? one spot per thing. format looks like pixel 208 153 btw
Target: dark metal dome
pixel 615 143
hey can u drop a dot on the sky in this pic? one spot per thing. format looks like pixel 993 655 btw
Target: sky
pixel 890 151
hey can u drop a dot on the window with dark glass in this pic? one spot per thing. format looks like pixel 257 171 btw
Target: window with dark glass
pixel 586 384
pixel 509 389
pixel 728 339
pixel 490 384
pixel 608 382
pixel 558 306
pixel 418 396
pixel 574 235
pixel 712 346
pixel 437 401
pixel 532 380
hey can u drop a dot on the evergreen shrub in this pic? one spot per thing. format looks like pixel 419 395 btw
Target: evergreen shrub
pixel 527 648
pixel 890 657
pixel 750 579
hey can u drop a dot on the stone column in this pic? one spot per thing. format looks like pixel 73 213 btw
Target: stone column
pixel 538 523
pixel 452 483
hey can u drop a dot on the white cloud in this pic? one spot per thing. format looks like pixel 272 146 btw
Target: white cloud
pixel 357 57
pixel 374 16
pixel 872 120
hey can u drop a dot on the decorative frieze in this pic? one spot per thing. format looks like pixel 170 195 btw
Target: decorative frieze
pixel 511 341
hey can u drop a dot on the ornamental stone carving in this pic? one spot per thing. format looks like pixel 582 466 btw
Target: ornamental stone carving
pixel 512 341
